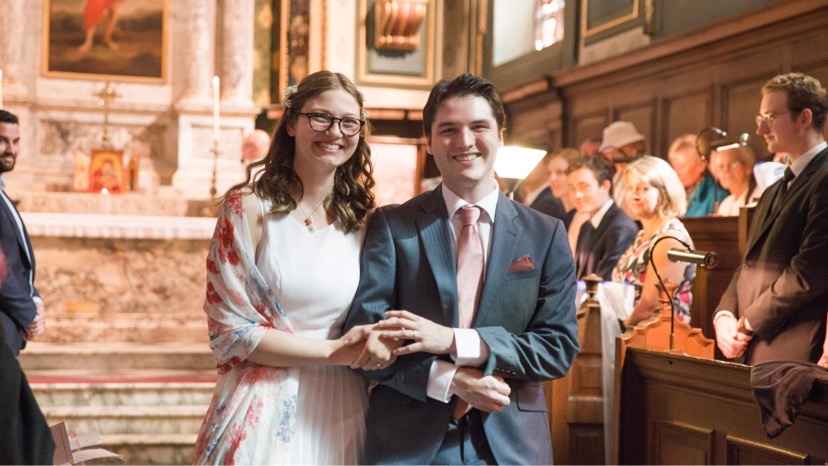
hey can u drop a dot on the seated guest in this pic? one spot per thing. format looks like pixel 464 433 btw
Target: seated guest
pixel 534 191
pixel 702 191
pixel 621 144
pixel 590 146
pixel 655 197
pixel 734 170
pixel 558 182
pixel 609 231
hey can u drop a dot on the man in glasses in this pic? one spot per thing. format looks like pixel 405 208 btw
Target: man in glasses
pixel 775 306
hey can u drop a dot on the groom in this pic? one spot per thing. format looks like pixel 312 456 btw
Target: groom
pixel 488 292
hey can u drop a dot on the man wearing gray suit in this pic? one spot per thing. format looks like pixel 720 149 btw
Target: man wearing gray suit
pixel 475 295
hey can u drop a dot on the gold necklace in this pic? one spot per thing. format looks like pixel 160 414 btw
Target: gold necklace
pixel 309 216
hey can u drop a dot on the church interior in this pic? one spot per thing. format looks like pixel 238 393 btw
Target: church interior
pixel 127 138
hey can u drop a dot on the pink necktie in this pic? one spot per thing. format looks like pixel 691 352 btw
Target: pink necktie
pixel 469 277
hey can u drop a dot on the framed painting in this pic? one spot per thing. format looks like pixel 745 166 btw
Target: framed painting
pixel 607 17
pixel 397 42
pixel 116 40
pixel 106 171
pixel 300 42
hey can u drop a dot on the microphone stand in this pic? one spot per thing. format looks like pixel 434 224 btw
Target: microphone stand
pixel 661 282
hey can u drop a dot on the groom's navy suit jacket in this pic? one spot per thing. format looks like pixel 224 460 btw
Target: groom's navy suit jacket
pixel 526 317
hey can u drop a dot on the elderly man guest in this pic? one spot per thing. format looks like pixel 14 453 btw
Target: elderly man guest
pixel 703 192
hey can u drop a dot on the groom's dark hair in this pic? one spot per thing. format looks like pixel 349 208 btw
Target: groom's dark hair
pixel 464 85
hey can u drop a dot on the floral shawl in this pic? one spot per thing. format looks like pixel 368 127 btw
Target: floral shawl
pixel 253 411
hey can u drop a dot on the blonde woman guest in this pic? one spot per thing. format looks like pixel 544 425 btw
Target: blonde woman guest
pixel 656 198
pixel 734 170
pixel 281 274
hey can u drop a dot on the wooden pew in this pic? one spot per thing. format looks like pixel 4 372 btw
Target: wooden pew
pixel 684 410
pixel 576 401
pixel 720 235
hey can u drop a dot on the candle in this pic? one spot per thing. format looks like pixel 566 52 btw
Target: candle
pixel 1 88
pixel 216 109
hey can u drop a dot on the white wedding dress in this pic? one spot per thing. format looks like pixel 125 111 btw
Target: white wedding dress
pixel 314 276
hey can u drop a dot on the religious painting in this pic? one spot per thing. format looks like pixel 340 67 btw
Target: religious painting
pixel 106 171
pixel 604 18
pixel 300 42
pixel 397 42
pixel 121 40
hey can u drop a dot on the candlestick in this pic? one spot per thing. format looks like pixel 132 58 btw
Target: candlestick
pixel 215 108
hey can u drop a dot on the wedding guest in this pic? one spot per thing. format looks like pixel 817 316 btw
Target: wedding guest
pixel 702 191
pixel 734 170
pixel 22 312
pixel 656 198
pixel 281 273
pixel 609 231
pixel 775 305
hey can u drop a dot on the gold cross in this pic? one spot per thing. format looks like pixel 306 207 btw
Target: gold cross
pixel 106 96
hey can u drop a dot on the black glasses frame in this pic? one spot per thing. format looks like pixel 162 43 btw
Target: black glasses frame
pixel 314 117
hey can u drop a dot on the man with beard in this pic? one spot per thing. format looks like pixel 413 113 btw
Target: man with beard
pixel 22 314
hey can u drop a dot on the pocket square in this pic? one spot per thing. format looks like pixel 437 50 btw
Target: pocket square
pixel 523 263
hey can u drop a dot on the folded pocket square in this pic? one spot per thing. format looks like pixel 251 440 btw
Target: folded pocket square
pixel 523 263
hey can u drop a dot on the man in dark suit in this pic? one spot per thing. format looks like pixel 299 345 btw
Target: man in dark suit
pixel 547 203
pixel 22 314
pixel 455 394
pixel 609 231
pixel 775 306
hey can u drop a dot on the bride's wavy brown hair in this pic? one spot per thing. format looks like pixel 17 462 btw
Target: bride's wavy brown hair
pixel 352 195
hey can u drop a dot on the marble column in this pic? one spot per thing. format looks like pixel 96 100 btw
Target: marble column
pixel 214 29
pixel 198 58
pixel 237 52
pixel 12 25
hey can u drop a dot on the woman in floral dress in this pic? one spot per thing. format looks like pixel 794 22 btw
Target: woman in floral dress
pixel 655 197
pixel 281 273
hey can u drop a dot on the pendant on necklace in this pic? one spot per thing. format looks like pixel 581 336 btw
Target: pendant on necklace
pixel 309 224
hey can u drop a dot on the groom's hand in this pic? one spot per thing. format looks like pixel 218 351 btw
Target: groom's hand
pixel 425 335
pixel 486 393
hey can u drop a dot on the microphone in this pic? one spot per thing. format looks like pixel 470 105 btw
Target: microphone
pixel 706 259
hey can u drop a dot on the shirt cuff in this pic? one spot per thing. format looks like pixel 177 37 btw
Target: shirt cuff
pixel 470 349
pixel 722 313
pixel 439 380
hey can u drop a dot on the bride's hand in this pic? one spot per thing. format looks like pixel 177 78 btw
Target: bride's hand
pixel 346 348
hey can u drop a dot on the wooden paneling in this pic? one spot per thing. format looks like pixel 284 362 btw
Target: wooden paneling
pixel 676 443
pixel 720 235
pixel 683 410
pixel 684 114
pixel 711 77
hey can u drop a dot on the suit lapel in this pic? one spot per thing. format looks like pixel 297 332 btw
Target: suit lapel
pixel 505 238
pixel 22 237
pixel 435 233
pixel 767 215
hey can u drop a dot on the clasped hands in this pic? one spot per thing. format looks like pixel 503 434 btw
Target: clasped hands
pixel 386 340
pixel 732 342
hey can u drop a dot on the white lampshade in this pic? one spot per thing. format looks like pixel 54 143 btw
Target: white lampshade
pixel 516 162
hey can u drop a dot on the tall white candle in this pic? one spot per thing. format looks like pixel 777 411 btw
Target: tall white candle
pixel 216 108
pixel 1 88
